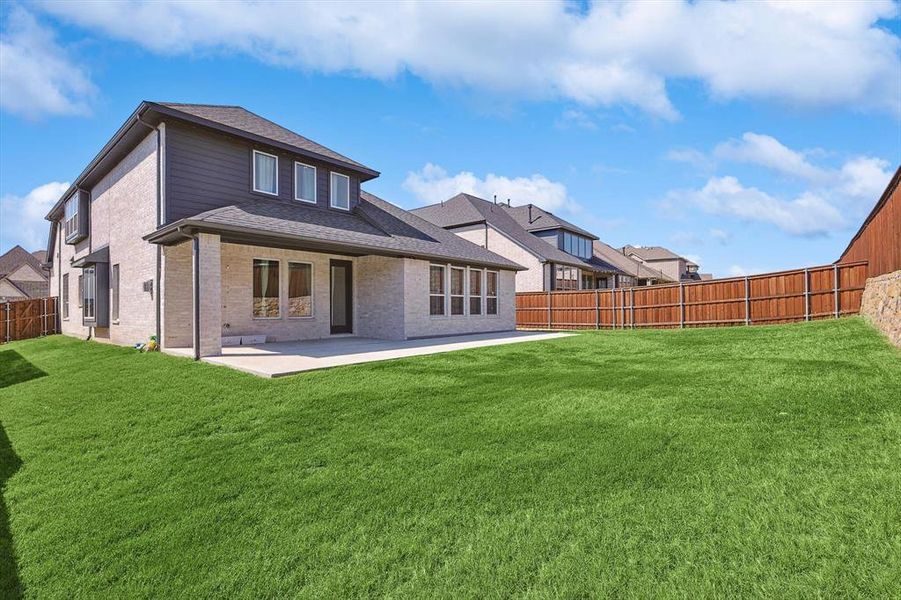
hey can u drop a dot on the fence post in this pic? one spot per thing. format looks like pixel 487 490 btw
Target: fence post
pixel 8 323
pixel 806 294
pixel 747 300
pixel 613 311
pixel 549 309
pixel 631 308
pixel 835 289
pixel 43 316
pixel 597 309
pixel 681 305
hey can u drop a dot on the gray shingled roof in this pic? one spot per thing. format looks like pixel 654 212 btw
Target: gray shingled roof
pixel 31 289
pixel 542 219
pixel 465 209
pixel 244 120
pixel 16 257
pixel 626 264
pixel 651 252
pixel 374 225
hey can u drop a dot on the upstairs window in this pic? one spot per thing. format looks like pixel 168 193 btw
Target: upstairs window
pixel 436 290
pixel 71 223
pixel 491 293
pixel 265 173
pixel 340 191
pixel 457 297
pixel 304 183
pixel 576 245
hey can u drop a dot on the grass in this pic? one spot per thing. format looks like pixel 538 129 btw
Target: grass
pixel 716 462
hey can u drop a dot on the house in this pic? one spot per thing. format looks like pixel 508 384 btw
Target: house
pixel 22 275
pixel 557 254
pixel 635 272
pixel 673 266
pixel 208 225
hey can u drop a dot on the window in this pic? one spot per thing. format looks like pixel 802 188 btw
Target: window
pixel 340 191
pixel 588 281
pixel 475 291
pixel 265 173
pixel 436 290
pixel 491 290
pixel 567 278
pixel 66 296
pixel 304 182
pixel 300 289
pixel 458 276
pixel 577 245
pixel 71 223
pixel 114 289
pixel 265 289
pixel 88 293
pixel 81 290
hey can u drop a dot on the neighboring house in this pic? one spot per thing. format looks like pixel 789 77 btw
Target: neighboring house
pixel 635 272
pixel 673 266
pixel 22 275
pixel 557 255
pixel 209 225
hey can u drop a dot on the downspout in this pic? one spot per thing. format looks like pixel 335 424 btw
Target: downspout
pixel 159 210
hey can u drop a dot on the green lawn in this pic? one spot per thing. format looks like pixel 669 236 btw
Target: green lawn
pixel 716 462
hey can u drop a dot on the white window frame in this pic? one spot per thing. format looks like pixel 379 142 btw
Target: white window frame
pixel 452 295
pixel 312 289
pixel 89 282
pixel 497 287
pixel 71 222
pixel 481 296
pixel 443 295
pixel 254 181
pixel 280 311
pixel 331 190
pixel 297 163
pixel 114 275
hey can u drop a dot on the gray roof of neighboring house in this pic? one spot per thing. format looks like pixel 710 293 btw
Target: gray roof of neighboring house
pixel 31 289
pixel 466 209
pixel 534 218
pixel 16 257
pixel 652 252
pixel 373 227
pixel 242 119
pixel 626 264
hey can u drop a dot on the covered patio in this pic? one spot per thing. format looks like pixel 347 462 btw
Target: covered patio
pixel 277 359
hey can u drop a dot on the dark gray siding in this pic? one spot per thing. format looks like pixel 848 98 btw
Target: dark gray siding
pixel 207 170
pixel 553 237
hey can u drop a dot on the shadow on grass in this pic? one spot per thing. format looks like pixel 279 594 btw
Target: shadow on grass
pixel 10 585
pixel 15 369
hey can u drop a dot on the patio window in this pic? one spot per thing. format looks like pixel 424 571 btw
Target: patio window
pixel 491 293
pixel 340 191
pixel 475 291
pixel 66 296
pixel 436 290
pixel 265 173
pixel 300 289
pixel 80 291
pixel 458 276
pixel 265 289
pixel 114 289
pixel 88 293
pixel 567 278
pixel 304 182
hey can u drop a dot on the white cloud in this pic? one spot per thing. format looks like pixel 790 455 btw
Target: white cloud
pixel 693 157
pixel 22 217
pixel 433 184
pixel 769 152
pixel 616 53
pixel 720 235
pixel 36 75
pixel 865 178
pixel 807 214
pixel 572 118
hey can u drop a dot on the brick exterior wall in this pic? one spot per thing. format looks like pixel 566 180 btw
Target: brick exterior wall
pixel 419 323
pixel 534 279
pixel 177 309
pixel 209 260
pixel 380 297
pixel 123 208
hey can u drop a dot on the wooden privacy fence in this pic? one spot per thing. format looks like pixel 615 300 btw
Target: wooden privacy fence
pixel 784 297
pixel 23 319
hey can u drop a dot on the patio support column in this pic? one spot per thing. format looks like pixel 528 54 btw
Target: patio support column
pixel 207 318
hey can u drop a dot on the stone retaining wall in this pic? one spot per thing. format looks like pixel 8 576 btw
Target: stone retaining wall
pixel 881 304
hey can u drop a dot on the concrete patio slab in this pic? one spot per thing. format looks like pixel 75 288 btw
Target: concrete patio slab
pixel 277 359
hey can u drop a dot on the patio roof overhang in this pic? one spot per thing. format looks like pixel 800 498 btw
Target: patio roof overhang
pixel 182 230
pixel 100 255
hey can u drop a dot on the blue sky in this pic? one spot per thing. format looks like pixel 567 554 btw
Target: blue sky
pixel 747 136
